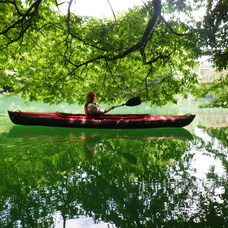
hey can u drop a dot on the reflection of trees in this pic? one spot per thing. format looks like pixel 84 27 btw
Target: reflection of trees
pixel 129 182
pixel 212 194
pixel 217 144
pixel 219 133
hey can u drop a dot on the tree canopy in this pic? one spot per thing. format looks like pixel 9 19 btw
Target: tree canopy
pixel 150 50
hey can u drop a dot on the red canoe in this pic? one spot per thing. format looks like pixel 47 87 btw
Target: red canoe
pixel 60 119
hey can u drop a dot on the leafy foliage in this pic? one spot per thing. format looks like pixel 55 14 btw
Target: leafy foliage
pixel 213 33
pixel 52 57
pixel 219 89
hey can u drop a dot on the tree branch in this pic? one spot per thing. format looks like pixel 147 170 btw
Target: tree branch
pixel 171 30
pixel 146 84
pixel 138 46
pixel 22 21
pixel 75 36
pixel 113 13
pixel 34 6
pixel 146 35
pixel 15 5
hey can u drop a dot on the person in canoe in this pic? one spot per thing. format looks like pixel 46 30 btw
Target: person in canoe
pixel 92 108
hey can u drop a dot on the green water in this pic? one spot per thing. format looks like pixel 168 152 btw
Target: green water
pixel 62 177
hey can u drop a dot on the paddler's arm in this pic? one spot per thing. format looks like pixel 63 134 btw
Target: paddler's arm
pixel 108 109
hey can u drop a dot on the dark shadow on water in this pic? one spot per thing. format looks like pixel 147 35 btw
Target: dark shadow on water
pixel 157 133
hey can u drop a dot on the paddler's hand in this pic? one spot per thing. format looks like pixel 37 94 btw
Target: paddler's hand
pixel 108 109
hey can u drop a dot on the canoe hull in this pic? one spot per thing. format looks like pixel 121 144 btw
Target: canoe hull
pixel 107 121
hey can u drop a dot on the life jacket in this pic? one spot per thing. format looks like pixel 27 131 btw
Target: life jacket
pixel 87 112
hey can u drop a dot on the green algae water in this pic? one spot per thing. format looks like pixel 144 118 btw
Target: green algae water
pixel 64 177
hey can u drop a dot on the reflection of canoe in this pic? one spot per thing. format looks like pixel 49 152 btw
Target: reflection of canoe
pixel 76 133
pixel 105 121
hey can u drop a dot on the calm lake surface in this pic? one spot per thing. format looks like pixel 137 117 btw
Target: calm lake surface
pixel 62 177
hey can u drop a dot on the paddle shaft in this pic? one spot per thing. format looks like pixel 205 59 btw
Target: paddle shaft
pixel 118 106
pixel 131 102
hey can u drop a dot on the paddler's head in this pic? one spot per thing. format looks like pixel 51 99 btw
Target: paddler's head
pixel 91 97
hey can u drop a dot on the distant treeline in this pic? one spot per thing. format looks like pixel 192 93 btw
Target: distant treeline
pixel 7 89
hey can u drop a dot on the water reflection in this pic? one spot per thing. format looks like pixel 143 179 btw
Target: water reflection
pixel 123 178
pixel 92 138
pixel 159 133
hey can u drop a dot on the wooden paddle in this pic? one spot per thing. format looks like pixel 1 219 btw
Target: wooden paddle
pixel 131 102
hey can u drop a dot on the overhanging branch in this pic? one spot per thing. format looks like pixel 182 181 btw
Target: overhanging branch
pixel 138 46
pixel 146 35
pixel 113 13
pixel 28 13
pixel 24 21
pixel 76 36
pixel 171 29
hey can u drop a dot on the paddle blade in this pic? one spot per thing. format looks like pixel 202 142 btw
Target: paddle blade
pixel 133 101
